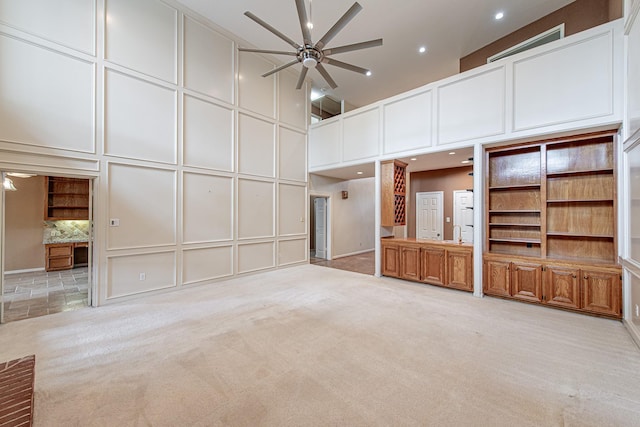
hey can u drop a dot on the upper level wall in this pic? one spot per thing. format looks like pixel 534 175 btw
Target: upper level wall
pixel 572 84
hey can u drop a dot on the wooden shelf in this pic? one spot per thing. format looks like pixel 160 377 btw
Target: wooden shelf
pixel 67 198
pixel 507 224
pixel 532 241
pixel 515 187
pixel 514 211
pixel 580 201
pixel 579 235
pixel 551 174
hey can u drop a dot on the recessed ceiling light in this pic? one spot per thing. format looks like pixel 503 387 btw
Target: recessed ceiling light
pixel 359 173
pixel 499 15
pixel 466 161
pixel 452 153
pixel 310 25
pixel 422 49
pixel 368 73
pixel 413 159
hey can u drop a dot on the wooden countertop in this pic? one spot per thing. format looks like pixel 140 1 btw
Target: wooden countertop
pixel 413 240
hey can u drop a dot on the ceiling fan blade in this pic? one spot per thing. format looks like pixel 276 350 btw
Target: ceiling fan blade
pixel 342 22
pixel 302 16
pixel 273 52
pixel 344 65
pixel 280 68
pixel 273 30
pixel 323 72
pixel 352 47
pixel 303 75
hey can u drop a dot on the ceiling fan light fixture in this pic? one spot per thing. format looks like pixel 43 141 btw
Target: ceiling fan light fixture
pixel 368 73
pixel 310 62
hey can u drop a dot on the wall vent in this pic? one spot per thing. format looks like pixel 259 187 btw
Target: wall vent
pixel 555 33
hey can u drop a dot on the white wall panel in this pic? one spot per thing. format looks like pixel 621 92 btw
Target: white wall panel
pixel 124 273
pixel 408 123
pixel 256 146
pixel 206 264
pixel 46 98
pixel 255 256
pixel 142 35
pixel 207 208
pixel 39 17
pixel 473 107
pixel 144 201
pixel 633 82
pixel 566 84
pixel 256 93
pixel 140 119
pixel 292 155
pixel 292 251
pixel 361 135
pixel 208 61
pixel 324 144
pixel 292 210
pixel 255 209
pixel 207 135
pixel 292 102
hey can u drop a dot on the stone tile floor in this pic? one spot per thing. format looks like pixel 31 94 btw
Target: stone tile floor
pixel 362 263
pixel 40 293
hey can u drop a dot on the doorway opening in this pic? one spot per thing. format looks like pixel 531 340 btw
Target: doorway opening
pixel 47 245
pixel 318 228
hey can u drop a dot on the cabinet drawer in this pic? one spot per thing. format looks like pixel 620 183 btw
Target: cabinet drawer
pixel 61 251
pixel 60 263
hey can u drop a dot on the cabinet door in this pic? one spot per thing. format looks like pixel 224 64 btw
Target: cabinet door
pixel 601 292
pixel 561 286
pixel 390 261
pixel 527 281
pixel 460 269
pixel 497 278
pixel 58 256
pixel 432 266
pixel 410 262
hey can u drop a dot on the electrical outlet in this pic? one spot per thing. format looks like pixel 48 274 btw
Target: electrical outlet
pixel 143 276
pixel 114 222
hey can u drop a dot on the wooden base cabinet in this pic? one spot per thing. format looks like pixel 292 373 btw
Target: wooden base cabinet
pixel 58 256
pixel 443 264
pixel 578 287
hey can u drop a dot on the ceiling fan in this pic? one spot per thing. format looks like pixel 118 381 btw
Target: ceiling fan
pixel 312 55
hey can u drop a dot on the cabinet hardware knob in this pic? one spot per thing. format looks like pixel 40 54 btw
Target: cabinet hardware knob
pixel 574 276
pixel 586 277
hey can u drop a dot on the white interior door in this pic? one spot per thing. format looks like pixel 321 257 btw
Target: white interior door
pixel 463 214
pixel 429 217
pixel 320 211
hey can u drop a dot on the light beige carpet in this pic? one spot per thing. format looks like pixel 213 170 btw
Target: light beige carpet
pixel 317 346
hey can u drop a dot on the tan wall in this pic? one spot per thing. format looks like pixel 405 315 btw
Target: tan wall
pixel 24 212
pixel 577 16
pixel 446 180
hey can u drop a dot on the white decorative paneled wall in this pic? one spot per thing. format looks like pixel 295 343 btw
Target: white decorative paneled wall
pixel 208 135
pixel 46 98
pixel 207 208
pixel 134 274
pixel 256 93
pixel 361 135
pixel 472 108
pixel 202 264
pixel 140 119
pixel 256 202
pixel 208 61
pixel 325 142
pixel 256 146
pixel 407 123
pixel 142 35
pixel 189 144
pixel 633 82
pixel 35 17
pixel 564 85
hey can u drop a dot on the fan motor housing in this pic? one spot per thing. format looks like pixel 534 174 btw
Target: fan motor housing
pixel 310 56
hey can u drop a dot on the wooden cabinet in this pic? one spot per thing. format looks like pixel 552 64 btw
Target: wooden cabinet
pixel 577 287
pixel 66 198
pixel 460 269
pixel 410 262
pixel 601 292
pixel 393 193
pixel 551 216
pixel 442 264
pixel 432 265
pixel 390 260
pixel 562 286
pixel 58 256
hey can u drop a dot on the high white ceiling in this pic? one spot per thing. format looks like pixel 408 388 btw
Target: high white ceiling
pixel 450 29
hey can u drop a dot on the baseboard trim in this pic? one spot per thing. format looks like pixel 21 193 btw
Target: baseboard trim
pixel 26 270
pixel 633 331
pixel 354 253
